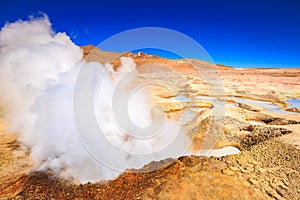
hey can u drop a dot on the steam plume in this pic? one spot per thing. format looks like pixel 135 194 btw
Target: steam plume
pixel 38 71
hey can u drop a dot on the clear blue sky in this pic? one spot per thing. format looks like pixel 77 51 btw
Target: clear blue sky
pixel 248 33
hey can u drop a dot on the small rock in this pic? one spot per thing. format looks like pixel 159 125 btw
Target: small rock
pixel 228 172
pixel 293 110
pixel 253 181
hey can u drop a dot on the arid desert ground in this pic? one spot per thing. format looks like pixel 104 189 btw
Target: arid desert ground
pixel 260 116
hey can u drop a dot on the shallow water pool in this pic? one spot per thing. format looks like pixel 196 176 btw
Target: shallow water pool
pixel 295 102
pixel 225 151
pixel 267 105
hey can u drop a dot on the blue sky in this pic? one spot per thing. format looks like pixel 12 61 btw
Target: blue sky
pixel 250 33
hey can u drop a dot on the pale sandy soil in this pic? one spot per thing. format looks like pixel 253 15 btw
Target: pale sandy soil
pixel 268 166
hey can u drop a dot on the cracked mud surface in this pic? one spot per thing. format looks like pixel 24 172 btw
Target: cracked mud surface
pixel 268 170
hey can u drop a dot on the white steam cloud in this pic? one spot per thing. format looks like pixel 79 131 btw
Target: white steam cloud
pixel 38 71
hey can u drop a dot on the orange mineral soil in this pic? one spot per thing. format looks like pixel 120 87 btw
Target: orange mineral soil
pixel 258 120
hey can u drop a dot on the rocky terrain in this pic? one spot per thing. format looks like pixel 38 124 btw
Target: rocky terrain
pixel 261 117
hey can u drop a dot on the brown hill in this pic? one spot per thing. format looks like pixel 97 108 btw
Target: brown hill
pixel 92 53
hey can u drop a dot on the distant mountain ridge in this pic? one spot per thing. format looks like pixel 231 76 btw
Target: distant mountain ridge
pixel 92 53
